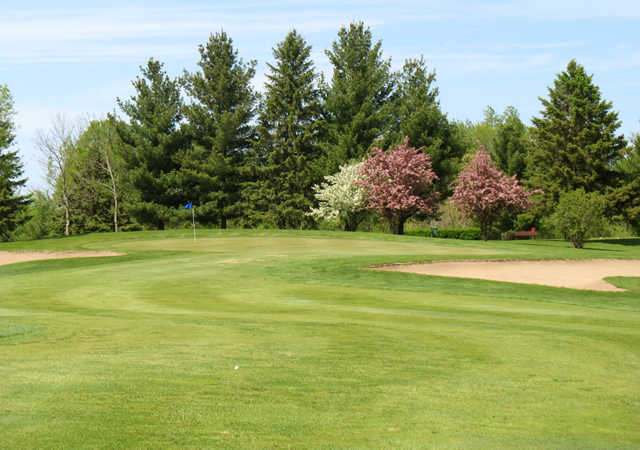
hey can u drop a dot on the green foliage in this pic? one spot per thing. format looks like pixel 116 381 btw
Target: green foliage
pixel 578 216
pixel 220 130
pixel 97 187
pixel 467 234
pixel 12 203
pixel 59 147
pixel 151 145
pixel 41 219
pixel 417 115
pixel 358 105
pixel 504 136
pixel 289 128
pixel 623 199
pixel 485 132
pixel 509 149
pixel 574 141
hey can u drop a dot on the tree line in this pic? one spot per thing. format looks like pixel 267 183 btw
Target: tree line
pixel 258 159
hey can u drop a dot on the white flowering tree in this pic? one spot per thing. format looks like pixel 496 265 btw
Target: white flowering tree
pixel 340 198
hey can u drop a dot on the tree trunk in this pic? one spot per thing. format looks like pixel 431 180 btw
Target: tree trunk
pixel 484 229
pixel 350 224
pixel 114 191
pixel 397 226
pixel 67 219
pixel 115 211
pixel 223 222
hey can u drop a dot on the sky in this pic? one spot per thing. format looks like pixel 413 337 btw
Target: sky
pixel 76 57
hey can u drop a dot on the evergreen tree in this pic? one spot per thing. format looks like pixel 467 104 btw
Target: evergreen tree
pixel 151 145
pixel 574 141
pixel 623 200
pixel 12 204
pixel 418 116
pixel 358 103
pixel 289 130
pixel 220 129
pixel 509 150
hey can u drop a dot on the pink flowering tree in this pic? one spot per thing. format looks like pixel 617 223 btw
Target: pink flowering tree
pixel 482 192
pixel 399 184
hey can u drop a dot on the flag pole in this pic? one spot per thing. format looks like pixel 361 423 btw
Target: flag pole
pixel 193 220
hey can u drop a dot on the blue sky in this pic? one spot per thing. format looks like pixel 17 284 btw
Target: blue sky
pixel 74 58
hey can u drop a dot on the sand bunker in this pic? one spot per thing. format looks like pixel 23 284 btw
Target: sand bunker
pixel 16 257
pixel 575 274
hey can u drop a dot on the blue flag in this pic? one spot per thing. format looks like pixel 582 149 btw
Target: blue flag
pixel 188 205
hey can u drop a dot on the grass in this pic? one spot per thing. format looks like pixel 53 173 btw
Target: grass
pixel 139 350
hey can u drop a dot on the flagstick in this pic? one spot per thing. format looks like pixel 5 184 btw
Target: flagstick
pixel 193 220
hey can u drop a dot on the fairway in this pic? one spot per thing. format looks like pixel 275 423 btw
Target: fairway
pixel 273 339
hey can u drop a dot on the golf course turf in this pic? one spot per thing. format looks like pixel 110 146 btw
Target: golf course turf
pixel 274 339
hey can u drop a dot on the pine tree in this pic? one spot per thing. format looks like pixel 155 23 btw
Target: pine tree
pixel 623 200
pixel 12 204
pixel 417 115
pixel 358 102
pixel 152 142
pixel 220 129
pixel 574 141
pixel 289 129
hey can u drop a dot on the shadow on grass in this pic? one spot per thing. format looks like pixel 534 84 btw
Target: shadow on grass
pixel 626 241
pixel 597 249
pixel 559 244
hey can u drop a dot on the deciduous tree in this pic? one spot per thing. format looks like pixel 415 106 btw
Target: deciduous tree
pixel 98 176
pixel 482 192
pixel 399 183
pixel 59 147
pixel 340 197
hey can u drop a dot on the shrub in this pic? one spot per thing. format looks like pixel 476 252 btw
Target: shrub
pixel 467 234
pixel 579 215
pixel 508 236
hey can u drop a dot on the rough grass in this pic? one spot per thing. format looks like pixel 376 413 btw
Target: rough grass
pixel 139 350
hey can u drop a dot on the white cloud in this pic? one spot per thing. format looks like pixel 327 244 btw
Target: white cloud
pixel 46 36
